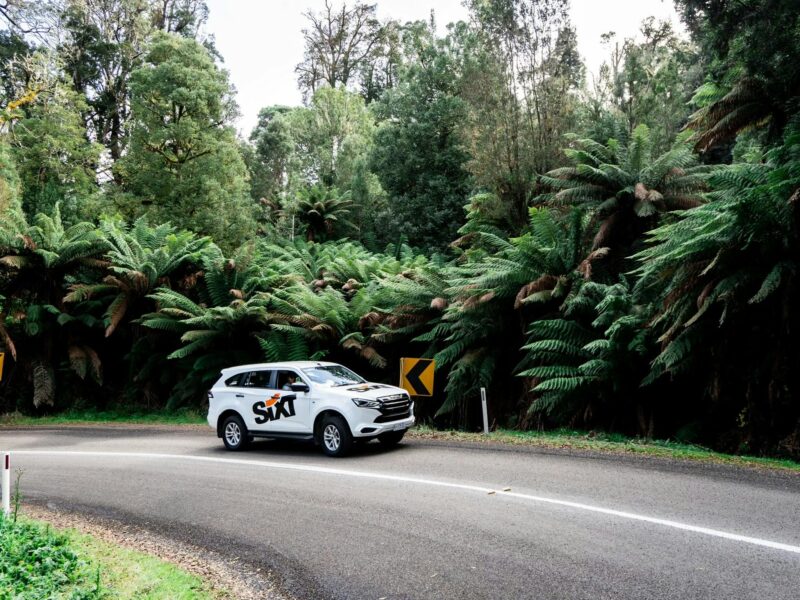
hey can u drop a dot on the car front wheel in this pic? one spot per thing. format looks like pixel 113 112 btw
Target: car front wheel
pixel 234 433
pixel 335 437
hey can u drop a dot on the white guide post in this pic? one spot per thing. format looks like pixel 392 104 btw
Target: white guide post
pixel 6 484
pixel 485 413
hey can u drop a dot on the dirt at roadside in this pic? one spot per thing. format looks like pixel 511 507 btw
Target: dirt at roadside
pixel 227 577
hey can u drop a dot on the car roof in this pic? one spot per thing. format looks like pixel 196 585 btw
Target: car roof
pixel 292 364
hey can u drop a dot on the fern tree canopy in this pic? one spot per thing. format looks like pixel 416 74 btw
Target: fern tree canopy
pixel 625 187
pixel 724 279
pixel 754 66
pixel 37 330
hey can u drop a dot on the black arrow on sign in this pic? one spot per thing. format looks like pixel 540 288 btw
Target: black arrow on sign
pixel 413 377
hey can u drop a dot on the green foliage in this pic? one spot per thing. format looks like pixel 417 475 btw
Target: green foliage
pixel 273 151
pixel 625 187
pixel 583 365
pixel 10 196
pixel 323 211
pixel 418 154
pixel 331 134
pixel 37 265
pixel 139 259
pixel 55 161
pixel 38 563
pixel 646 80
pixel 722 271
pixel 520 74
pixel 753 67
pixel 470 316
pixel 270 301
pixel 310 162
pixel 183 164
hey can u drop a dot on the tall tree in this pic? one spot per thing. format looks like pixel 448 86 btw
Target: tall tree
pixel 521 79
pixel 338 44
pixel 10 193
pixel 55 159
pixel 183 164
pixel 330 135
pixel 104 41
pixel 184 17
pixel 380 71
pixel 419 154
pixel 649 81
pixel 273 149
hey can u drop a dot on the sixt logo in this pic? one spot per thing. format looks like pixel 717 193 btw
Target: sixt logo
pixel 274 407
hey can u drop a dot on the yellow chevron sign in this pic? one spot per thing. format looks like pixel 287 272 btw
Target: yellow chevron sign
pixel 416 376
pixel 2 358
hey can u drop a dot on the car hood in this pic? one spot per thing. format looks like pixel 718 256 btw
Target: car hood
pixel 368 391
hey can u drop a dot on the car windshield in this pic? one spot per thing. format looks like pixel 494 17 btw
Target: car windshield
pixel 333 375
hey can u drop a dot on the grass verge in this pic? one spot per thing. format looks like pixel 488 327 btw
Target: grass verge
pixel 120 417
pixel 37 561
pixel 606 443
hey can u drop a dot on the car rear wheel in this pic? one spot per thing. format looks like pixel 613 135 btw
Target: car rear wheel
pixel 334 436
pixel 391 438
pixel 234 433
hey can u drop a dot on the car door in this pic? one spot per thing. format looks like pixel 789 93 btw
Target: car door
pixel 291 409
pixel 253 396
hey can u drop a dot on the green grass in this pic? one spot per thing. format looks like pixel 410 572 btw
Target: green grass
pixel 88 417
pixel 38 562
pixel 607 443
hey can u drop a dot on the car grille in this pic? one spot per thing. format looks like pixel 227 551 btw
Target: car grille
pixel 394 408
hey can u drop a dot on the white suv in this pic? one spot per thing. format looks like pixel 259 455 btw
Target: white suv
pixel 319 401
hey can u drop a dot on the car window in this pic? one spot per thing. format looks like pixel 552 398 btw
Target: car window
pixel 333 375
pixel 235 381
pixel 287 378
pixel 259 379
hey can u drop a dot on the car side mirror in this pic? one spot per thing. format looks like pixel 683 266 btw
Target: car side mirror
pixel 299 387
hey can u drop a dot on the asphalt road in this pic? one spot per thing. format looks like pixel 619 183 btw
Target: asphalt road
pixel 428 520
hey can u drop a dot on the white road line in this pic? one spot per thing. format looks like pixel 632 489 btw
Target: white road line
pixel 497 490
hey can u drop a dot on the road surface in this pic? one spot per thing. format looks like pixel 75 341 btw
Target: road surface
pixel 432 520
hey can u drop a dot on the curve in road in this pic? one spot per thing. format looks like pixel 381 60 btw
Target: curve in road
pixel 421 521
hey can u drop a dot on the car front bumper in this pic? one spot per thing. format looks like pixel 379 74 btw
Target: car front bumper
pixel 370 429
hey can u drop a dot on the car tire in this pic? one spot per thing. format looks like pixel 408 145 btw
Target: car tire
pixel 391 438
pixel 334 436
pixel 234 433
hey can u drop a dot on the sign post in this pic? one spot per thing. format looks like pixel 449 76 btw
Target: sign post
pixel 6 483
pixel 485 412
pixel 416 376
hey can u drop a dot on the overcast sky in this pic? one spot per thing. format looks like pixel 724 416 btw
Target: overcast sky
pixel 261 43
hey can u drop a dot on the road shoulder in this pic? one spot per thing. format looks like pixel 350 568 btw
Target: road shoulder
pixel 227 577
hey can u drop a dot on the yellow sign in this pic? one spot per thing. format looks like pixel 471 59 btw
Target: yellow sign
pixel 2 357
pixel 416 376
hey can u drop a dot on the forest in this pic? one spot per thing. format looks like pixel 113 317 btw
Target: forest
pixel 612 251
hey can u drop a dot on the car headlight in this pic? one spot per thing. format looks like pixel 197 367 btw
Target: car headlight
pixel 361 403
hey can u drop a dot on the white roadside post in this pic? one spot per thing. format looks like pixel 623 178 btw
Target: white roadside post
pixel 485 413
pixel 6 483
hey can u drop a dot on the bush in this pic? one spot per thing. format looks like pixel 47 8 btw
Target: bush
pixel 36 562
